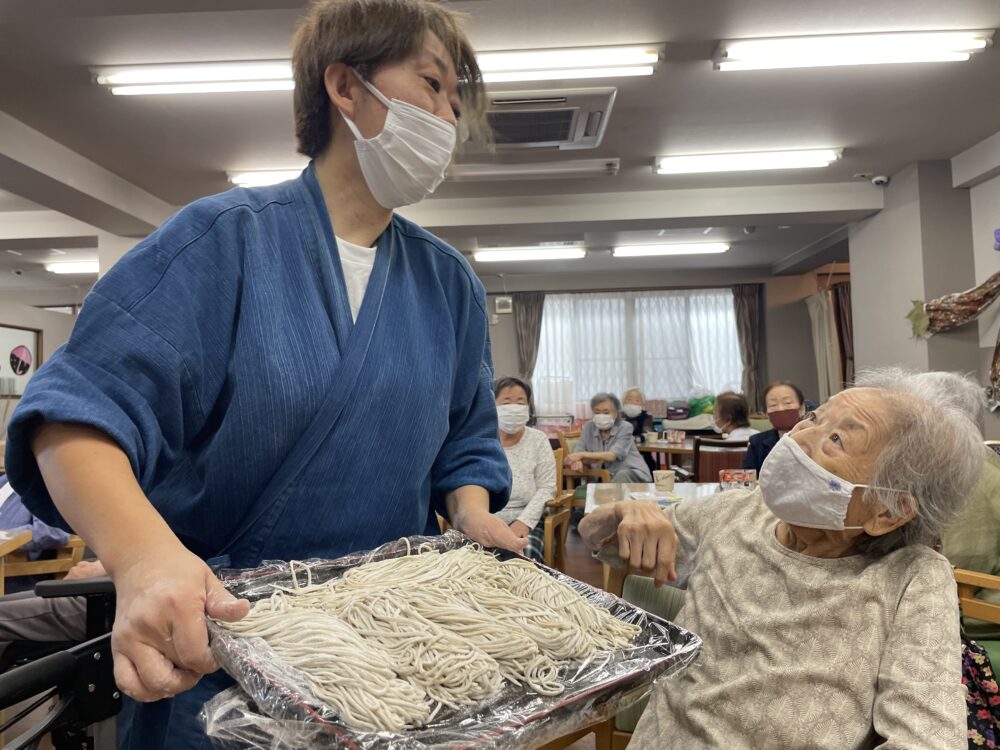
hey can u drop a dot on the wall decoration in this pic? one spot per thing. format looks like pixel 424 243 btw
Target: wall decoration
pixel 503 305
pixel 958 309
pixel 20 350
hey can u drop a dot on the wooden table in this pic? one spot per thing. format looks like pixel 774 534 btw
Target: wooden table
pixel 665 452
pixel 10 541
pixel 614 578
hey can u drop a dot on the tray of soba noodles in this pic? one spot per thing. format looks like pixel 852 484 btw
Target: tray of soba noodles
pixel 429 643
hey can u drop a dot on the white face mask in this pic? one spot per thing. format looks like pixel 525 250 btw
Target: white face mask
pixel 406 161
pixel 632 410
pixel 512 417
pixel 716 428
pixel 799 491
pixel 604 421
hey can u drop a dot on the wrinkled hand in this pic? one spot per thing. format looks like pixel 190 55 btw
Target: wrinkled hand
pixel 160 638
pixel 85 569
pixel 646 540
pixel 572 458
pixel 489 530
pixel 520 529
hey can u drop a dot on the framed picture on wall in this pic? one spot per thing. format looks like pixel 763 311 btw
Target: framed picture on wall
pixel 20 356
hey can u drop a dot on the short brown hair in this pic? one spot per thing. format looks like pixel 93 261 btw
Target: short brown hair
pixel 786 384
pixel 733 409
pixel 366 34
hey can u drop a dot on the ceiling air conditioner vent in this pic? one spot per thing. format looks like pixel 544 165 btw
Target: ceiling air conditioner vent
pixel 563 118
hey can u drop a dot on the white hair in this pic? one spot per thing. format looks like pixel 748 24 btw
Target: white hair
pixel 634 389
pixel 934 452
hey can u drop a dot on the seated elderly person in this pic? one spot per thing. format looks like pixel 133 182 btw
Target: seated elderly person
pixel 607 439
pixel 731 417
pixel 634 412
pixel 828 621
pixel 532 463
pixel 785 406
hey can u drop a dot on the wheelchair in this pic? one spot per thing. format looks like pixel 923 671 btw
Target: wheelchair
pixel 80 677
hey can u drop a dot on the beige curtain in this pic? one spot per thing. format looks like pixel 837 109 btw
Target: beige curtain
pixel 746 300
pixel 825 344
pixel 845 329
pixel 528 330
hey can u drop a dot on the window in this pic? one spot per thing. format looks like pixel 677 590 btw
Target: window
pixel 671 344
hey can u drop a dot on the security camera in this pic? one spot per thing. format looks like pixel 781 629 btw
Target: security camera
pixel 17 272
pixel 880 180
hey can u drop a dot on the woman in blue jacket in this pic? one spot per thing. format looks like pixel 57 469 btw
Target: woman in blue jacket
pixel 224 390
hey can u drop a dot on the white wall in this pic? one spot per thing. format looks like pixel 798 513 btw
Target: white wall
pixel 886 276
pixel 985 200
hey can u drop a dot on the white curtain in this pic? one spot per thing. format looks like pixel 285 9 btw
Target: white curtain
pixel 825 344
pixel 671 344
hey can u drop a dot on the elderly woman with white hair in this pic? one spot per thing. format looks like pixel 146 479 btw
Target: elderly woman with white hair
pixel 606 440
pixel 828 620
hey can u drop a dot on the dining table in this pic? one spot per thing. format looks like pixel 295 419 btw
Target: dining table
pixel 665 453
pixel 9 542
pixel 604 494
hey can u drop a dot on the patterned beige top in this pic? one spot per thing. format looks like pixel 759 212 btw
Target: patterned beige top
pixel 806 652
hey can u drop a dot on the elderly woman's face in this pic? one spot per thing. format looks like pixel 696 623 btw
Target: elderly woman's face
pixel 846 434
pixel 605 407
pixel 632 398
pixel 512 394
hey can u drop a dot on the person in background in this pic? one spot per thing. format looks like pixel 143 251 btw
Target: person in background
pixel 532 463
pixel 634 410
pixel 15 517
pixel 732 417
pixel 607 439
pixel 827 568
pixel 785 406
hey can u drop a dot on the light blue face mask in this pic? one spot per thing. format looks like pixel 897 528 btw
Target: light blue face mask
pixel 800 492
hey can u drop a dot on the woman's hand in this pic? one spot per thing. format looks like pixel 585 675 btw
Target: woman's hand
pixel 487 529
pixel 160 637
pixel 520 529
pixel 646 540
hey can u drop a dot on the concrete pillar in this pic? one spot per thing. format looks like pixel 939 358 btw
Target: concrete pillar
pixel 918 248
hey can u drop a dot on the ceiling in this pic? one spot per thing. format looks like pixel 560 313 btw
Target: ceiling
pixel 179 148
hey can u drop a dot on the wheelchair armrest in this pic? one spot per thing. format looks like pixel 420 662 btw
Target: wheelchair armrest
pixel 76 587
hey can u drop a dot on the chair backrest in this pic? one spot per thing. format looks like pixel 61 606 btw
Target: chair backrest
pixel 558 453
pixel 568 440
pixel 969 584
pixel 712 455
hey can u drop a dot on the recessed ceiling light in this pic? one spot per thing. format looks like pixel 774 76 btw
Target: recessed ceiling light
pixel 851 49
pixel 531 252
pixel 694 248
pixel 744 162
pixel 79 266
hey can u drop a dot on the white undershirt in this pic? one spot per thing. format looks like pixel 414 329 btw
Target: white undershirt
pixel 356 262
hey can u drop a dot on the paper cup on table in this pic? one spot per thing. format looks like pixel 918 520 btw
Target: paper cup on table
pixel 664 480
pixel 651 437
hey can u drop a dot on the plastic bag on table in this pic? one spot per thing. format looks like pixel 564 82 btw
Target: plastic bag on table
pixel 274 708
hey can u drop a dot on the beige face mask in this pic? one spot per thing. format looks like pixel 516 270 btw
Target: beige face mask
pixel 406 162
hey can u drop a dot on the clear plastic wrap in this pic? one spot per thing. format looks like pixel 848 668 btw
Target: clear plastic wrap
pixel 273 708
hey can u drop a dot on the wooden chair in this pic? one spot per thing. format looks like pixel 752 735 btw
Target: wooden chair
pixel 712 455
pixel 557 514
pixel 969 584
pixel 18 564
pixel 570 478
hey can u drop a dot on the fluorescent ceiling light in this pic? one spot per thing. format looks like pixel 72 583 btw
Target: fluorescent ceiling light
pixel 81 266
pixel 202 78
pixel 534 252
pixel 567 74
pixel 851 49
pixel 214 87
pixel 261 177
pixel 546 170
pixel 276 75
pixel 746 162
pixel 695 248
pixel 565 64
